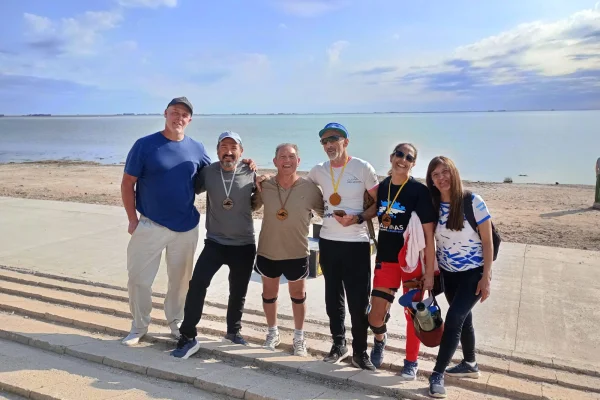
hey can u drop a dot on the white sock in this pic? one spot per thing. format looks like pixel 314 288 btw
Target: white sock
pixel 274 329
pixel 298 334
pixel 471 364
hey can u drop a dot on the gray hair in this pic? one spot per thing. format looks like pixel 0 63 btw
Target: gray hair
pixel 282 145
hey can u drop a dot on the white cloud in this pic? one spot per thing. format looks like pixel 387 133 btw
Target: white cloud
pixel 76 36
pixel 310 8
pixel 282 26
pixel 147 3
pixel 335 50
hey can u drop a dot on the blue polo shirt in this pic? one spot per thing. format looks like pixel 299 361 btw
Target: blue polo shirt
pixel 166 171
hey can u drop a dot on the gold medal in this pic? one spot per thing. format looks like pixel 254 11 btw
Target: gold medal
pixel 386 220
pixel 282 214
pixel 335 199
pixel 228 204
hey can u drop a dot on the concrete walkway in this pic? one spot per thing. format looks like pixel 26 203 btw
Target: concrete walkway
pixel 543 301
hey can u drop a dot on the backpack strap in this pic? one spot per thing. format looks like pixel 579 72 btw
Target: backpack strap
pixel 468 210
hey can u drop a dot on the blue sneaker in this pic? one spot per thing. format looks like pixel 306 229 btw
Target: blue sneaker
pixel 436 386
pixel 464 370
pixel 236 338
pixel 186 348
pixel 409 372
pixel 377 351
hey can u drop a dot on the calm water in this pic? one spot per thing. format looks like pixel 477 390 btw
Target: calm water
pixel 548 147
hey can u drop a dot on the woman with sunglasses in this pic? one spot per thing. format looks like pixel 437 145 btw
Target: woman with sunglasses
pixel 397 196
pixel 465 258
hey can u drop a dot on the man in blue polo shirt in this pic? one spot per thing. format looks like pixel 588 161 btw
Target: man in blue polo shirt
pixel 159 183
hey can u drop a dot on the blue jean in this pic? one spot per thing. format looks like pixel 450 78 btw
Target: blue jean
pixel 459 289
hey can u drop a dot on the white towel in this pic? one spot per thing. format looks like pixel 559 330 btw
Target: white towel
pixel 415 242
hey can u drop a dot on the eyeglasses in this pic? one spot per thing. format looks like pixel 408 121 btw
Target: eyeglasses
pixel 400 154
pixel 330 139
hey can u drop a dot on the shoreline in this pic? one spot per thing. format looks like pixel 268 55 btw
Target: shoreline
pixel 66 163
pixel 529 213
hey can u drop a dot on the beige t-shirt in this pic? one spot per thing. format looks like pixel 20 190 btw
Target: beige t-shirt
pixel 288 239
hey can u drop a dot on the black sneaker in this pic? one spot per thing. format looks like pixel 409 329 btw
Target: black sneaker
pixel 236 338
pixel 436 386
pixel 362 361
pixel 337 354
pixel 464 370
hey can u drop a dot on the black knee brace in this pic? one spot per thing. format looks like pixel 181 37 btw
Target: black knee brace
pixel 379 330
pixel 383 295
pixel 299 301
pixel 269 301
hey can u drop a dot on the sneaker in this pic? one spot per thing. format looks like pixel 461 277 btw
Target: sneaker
pixel 362 361
pixel 133 338
pixel 464 370
pixel 186 348
pixel 236 338
pixel 273 339
pixel 175 325
pixel 300 348
pixel 409 371
pixel 337 354
pixel 436 386
pixel 377 351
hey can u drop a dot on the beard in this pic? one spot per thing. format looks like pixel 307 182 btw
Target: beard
pixel 228 162
pixel 334 155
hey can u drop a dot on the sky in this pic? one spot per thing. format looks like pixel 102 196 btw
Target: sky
pixel 303 56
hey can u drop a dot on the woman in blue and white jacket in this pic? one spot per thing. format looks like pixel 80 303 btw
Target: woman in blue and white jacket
pixel 465 258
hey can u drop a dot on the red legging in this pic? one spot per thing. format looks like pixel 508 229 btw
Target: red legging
pixel 413 343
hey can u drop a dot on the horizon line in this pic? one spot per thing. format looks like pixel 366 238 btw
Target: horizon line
pixel 299 113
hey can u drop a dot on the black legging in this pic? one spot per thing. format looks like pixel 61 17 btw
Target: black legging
pixel 459 288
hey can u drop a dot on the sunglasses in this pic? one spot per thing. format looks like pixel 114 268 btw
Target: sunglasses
pixel 400 154
pixel 330 139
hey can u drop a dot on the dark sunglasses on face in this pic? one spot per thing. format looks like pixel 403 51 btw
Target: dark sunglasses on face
pixel 407 157
pixel 330 139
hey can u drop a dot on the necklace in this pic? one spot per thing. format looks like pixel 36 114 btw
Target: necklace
pixel 335 199
pixel 282 213
pixel 386 219
pixel 228 203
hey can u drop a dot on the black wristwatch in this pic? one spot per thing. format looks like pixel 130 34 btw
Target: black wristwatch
pixel 359 219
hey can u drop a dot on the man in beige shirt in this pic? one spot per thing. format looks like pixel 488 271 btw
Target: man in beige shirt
pixel 283 242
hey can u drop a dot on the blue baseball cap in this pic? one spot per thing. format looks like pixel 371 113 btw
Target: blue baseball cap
pixel 232 135
pixel 334 126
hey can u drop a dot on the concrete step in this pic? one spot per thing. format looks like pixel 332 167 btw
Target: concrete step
pixel 382 382
pixel 113 302
pixel 244 372
pixel 29 372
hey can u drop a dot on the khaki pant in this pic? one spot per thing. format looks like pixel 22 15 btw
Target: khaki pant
pixel 143 260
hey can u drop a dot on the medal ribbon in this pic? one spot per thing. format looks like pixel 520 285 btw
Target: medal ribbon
pixel 336 185
pixel 389 206
pixel 283 203
pixel 230 185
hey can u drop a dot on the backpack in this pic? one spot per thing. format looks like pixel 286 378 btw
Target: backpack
pixel 470 216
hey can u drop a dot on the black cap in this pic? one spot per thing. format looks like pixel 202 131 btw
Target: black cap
pixel 182 100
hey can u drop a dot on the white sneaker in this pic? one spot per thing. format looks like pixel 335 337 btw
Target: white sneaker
pixel 272 340
pixel 300 348
pixel 133 338
pixel 175 325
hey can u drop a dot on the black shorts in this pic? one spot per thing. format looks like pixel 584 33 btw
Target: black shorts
pixel 293 270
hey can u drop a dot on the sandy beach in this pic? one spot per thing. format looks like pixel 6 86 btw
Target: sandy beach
pixel 549 215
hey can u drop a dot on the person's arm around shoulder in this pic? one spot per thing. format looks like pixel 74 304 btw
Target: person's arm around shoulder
pixel 200 181
pixel 256 201
pixel 317 204
pixel 484 225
